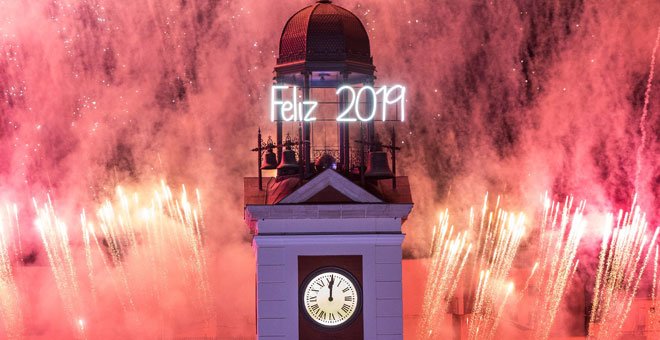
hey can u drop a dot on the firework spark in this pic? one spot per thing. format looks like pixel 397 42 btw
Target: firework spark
pixel 655 276
pixel 498 317
pixel 10 250
pixel 157 229
pixel 645 112
pixel 529 279
pixel 498 246
pixel 498 234
pixel 559 238
pixel 160 229
pixel 624 255
pixel 54 235
pixel 449 254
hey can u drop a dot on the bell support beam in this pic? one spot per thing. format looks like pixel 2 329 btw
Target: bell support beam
pixel 259 153
pixel 278 97
pixel 344 153
pixel 306 129
pixel 393 149
pixel 369 106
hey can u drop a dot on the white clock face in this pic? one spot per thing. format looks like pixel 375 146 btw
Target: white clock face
pixel 331 297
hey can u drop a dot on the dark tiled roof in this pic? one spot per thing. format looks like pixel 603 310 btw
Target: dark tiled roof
pixel 274 191
pixel 324 32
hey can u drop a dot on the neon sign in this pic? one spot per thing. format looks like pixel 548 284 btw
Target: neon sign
pixel 295 110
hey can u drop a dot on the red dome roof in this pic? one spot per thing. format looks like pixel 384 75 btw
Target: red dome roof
pixel 324 32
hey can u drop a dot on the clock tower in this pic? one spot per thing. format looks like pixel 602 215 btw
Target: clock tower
pixel 326 217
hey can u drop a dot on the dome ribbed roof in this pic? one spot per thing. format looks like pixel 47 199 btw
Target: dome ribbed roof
pixel 324 32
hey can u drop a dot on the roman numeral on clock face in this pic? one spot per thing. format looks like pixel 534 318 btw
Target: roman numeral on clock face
pixel 312 299
pixel 346 289
pixel 314 308
pixel 348 298
pixel 346 308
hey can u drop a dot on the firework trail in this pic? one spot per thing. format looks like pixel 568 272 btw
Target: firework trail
pixel 88 235
pixel 499 241
pixel 529 279
pixel 655 276
pixel 509 289
pixel 10 251
pixel 623 258
pixel 498 234
pixel 645 112
pixel 188 220
pixel 161 230
pixel 118 235
pixel 54 235
pixel 559 237
pixel 158 230
pixel 449 254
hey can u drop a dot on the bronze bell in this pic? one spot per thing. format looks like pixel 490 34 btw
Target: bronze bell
pixel 325 161
pixel 270 159
pixel 288 165
pixel 377 166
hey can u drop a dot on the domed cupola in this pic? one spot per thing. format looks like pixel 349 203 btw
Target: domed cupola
pixel 324 37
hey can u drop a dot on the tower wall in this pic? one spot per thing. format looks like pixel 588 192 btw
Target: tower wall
pixel 277 280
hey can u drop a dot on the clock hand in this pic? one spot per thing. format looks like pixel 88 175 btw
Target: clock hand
pixel 330 284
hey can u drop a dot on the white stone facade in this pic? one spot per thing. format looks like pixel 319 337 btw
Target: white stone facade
pixel 366 227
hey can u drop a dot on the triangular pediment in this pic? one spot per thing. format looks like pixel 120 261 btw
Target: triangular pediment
pixel 330 187
pixel 329 195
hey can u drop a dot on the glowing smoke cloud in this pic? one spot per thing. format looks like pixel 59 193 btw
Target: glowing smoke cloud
pixel 510 96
